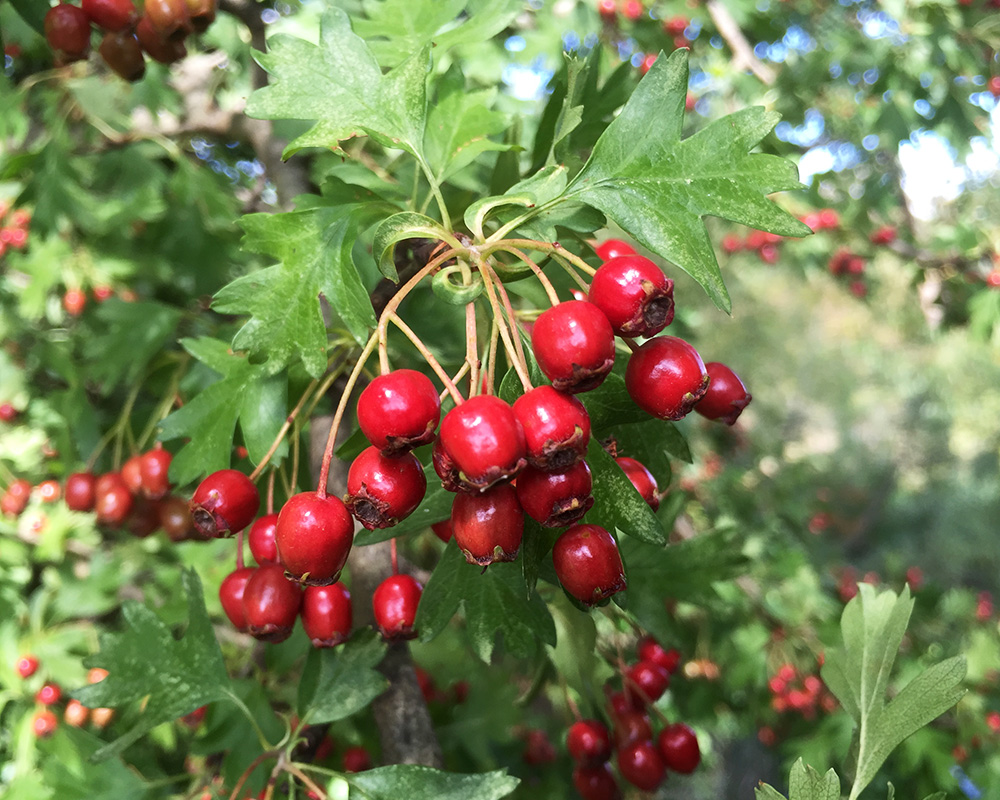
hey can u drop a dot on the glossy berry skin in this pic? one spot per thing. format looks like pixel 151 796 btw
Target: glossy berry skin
pixel 589 742
pixel 596 783
pixel 131 474
pixel 556 427
pixel 395 604
pixel 381 490
pixel 588 563
pixel 648 649
pixel 79 491
pixel 44 723
pixel 153 466
pixel 231 596
pixel 612 248
pixel 158 48
pixel 443 530
pixel 556 499
pixel 201 13
pixel 399 411
pixel 641 765
pixel 15 499
pixel 488 526
pixel 631 726
pixel 113 503
pixel 49 491
pixel 26 666
pixel 271 604
pixel 634 294
pixel 169 18
pixel 726 396
pixel 175 519
pixel 327 614
pixel 261 539
pixel 111 15
pixel 123 55
pixel 678 746
pixel 314 536
pixel 49 694
pixel 484 442
pixel 76 714
pixel 67 30
pixel 356 759
pixel 224 503
pixel 574 345
pixel 642 479
pixel 645 683
pixel 666 377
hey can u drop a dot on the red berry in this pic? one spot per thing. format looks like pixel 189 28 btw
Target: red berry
pixel 443 530
pixel 556 427
pixel 271 603
pixel 666 377
pixel 612 248
pixel 224 503
pixel 632 9
pixel 327 614
pixel 79 491
pixel 111 15
pixel 641 765
pixel 883 236
pixel 15 499
pixel 994 85
pixel 175 519
pixel 649 649
pixel 49 491
pixel 261 538
pixel 574 345
pixel 634 294
pixel 619 704
pixel 67 30
pixel 679 748
pixel 675 26
pixel 588 564
pixel 538 748
pixel 113 503
pixel 7 412
pixel 44 723
pixel 488 526
pixel 645 683
pixel 26 666
pixel 131 474
pixel 74 302
pixel 231 596
pixel 49 694
pixel 356 759
pixel 122 53
pixel 726 396
pixel 596 783
pixel 482 442
pixel 556 499
pixel 314 536
pixel 642 479
pixel 169 18
pixel 102 293
pixel 382 490
pixel 76 713
pixel 647 63
pixel 607 10
pixel 395 604
pixel 589 742
pixel 153 467
pixel 399 411
pixel 201 13
pixel 631 726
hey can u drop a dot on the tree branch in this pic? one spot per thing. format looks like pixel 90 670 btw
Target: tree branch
pixel 743 55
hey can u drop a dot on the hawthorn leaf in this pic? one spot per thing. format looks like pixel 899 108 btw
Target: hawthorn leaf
pixel 32 13
pixel 658 187
pixel 764 791
pixel 425 783
pixel 395 229
pixel 617 504
pixel 71 774
pixel 134 335
pixel 339 681
pixel 145 662
pixel 805 783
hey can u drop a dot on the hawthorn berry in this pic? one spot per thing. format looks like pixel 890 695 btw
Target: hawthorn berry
pixel 382 490
pixel 648 649
pixel 175 519
pixel 49 491
pixel 676 25
pixel 395 602
pixel 153 467
pixel 7 412
pixel 327 614
pixel 631 725
pixel 131 474
pixel 169 18
pixel 556 499
pixel 589 742
pixel 201 14
pixel 49 694
pixel 123 55
pixel 79 491
pixel 726 396
pixel 482 443
pixel 15 499
pixel 647 63
pixel 596 782
pixel 314 536
pixel 488 526
pixel 67 30
pixel 679 747
pixel 399 411
pixel 443 530
pixel 74 301
pixel 666 377
pixel 26 666
pixel 632 9
pixel 111 15
pixel 113 502
pixel 538 748
pixel 44 723
pixel 271 603
pixel 100 717
pixel 224 503
pixel 356 759
pixel 612 248
pixel 231 596
pixel 588 564
pixel 642 479
pixel 645 683
pixel 261 539
pixel 76 713
pixel 574 345
pixel 556 427
pixel 641 765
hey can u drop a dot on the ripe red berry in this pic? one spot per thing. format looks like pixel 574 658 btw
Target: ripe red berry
pixel 488 526
pixel 169 18
pixel 113 502
pixel 994 85
pixel 443 530
pixel 538 748
pixel 76 713
pixel 676 25
pixel 123 55
pixel 175 519
pixel 26 666
pixel 399 411
pixel 356 759
pixel 7 412
pixel 679 747
pixel 556 427
pixel 271 603
pixel 327 614
pixel 574 345
pixel 883 236
pixel 15 499
pixel 44 723
pixel 314 536
pixel 224 503
pixel 642 766
pixel 201 13
pixel 588 564
pixel 153 467
pixel 589 742
pixel 231 596
pixel 726 396
pixel 131 474
pixel 666 377
pixel 631 726
pixel 49 694
pixel 49 491
pixel 383 490
pixel 111 15
pixel 67 30
pixel 648 649
pixel 645 683
pixel 79 491
pixel 632 9
pixel 261 538
pixel 596 783
pixel 74 302
pixel 556 499
pixel 482 443
pixel 642 479
pixel 395 604
pixel 612 248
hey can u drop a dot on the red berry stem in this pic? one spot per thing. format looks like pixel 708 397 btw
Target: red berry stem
pixel 472 346
pixel 432 362
pixel 394 556
pixel 267 754
pixel 270 491
pixel 552 248
pixel 508 326
pixel 491 369
pixel 294 769
pixel 550 291
pixel 239 549
pixel 289 420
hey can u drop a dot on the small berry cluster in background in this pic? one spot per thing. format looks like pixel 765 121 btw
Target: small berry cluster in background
pixel 49 698
pixel 14 228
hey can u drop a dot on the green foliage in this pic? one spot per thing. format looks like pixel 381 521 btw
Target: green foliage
pixel 424 783
pixel 338 682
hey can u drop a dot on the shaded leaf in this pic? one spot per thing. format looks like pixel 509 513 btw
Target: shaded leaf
pixel 617 504
pixel 395 229
pixel 340 681
pixel 805 783
pixel 135 334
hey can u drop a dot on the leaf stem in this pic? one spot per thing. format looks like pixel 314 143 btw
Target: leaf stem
pixel 261 738
pixel 531 212
pixel 292 768
pixel 515 331
pixel 249 771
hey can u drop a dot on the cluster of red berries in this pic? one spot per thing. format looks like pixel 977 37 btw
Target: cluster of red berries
pixel 49 696
pixel 642 760
pixel 765 244
pixel 14 228
pixel 74 300
pixel 674 27
pixel 159 31
pixel 804 694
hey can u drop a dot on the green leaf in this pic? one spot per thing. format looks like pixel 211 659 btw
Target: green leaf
pixel 135 334
pixel 70 774
pixel 32 12
pixel 338 83
pixel 765 792
pixel 659 188
pixel 423 783
pixel 617 504
pixel 610 404
pixel 339 681
pixel 805 783
pixel 495 601
pixel 146 662
pixel 395 229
